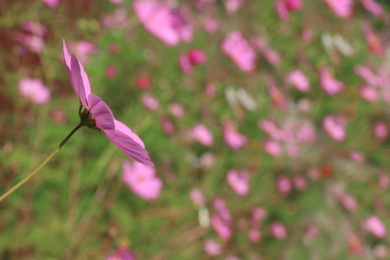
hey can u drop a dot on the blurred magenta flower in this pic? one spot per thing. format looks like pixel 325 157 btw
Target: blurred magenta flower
pixel 32 42
pixel 83 50
pixel 143 82
pixel 191 58
pixel 373 7
pixel 51 3
pixel 375 45
pixel 167 125
pixel 97 114
pixel 116 1
pixel 201 134
pixel 150 102
pixel 342 8
pixel 34 90
pixel 35 28
pixel 375 226
pixel 141 180
pixel 232 137
pixel 329 84
pixel 297 79
pixel 284 7
pixel 335 127
pixel 121 254
pixel 176 110
pixel 258 215
pixel 238 181
pixel 210 25
pixel 271 55
pixel 238 49
pixel 111 71
pixel 383 181
pixel 356 156
pixel 300 182
pixel 278 230
pixel 197 197
pixel 164 22
pixel 212 248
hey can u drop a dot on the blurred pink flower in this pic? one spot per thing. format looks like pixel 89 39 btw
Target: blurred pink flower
pixel 212 248
pixel 232 137
pixel 32 42
pixel 238 49
pixel 34 90
pixel 238 181
pixel 342 8
pixel 294 5
pixel 254 235
pixel 375 226
pixel 306 133
pixel 335 127
pixel 191 58
pixel 121 254
pixel 51 3
pixel 83 50
pixel 356 156
pixel 383 181
pixel 375 45
pixel 380 130
pixel 111 71
pixel 300 182
pixel 150 102
pixel 201 134
pixel 297 79
pixel 99 116
pixel 164 22
pixel 211 89
pixel 221 227
pixel 283 184
pixel 355 245
pixel 278 230
pixel 258 215
pixel 211 25
pixel 207 160
pixel 233 5
pixel 176 110
pixel 271 55
pixel 141 180
pixel 373 7
pixel 197 197
pixel 167 125
pixel 329 84
pixel 272 147
pixel 369 93
pixel 35 28
pixel 284 7
pixel 278 99
pixel 222 210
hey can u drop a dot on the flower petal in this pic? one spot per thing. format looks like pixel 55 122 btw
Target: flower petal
pixel 126 130
pixel 101 113
pixel 129 146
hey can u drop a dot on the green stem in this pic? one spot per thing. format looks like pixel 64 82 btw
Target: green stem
pixel 25 179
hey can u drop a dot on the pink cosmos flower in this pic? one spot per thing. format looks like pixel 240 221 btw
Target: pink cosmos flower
pixel 143 82
pixel 167 125
pixel 34 90
pixel 278 230
pixel 212 248
pixel 284 7
pixel 191 58
pixel 115 1
pixel 221 227
pixel 210 25
pixel 329 84
pixel 297 79
pixel 97 114
pixel 300 182
pixel 258 215
pixel 51 3
pixel 373 7
pixel 232 137
pixel 375 226
pixel 197 197
pixel 238 49
pixel 121 254
pixel 383 181
pixel 83 49
pixel 141 180
pixel 176 110
pixel 33 43
pixel 335 127
pixel 35 28
pixel 342 8
pixel 238 181
pixel 150 102
pixel 375 45
pixel 201 134
pixel 356 156
pixel 162 21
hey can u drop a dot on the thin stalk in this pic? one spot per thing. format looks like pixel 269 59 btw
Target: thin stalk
pixel 25 179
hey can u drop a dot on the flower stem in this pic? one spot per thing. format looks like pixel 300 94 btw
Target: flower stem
pixel 25 179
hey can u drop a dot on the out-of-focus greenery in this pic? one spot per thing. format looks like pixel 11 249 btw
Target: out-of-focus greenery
pixel 78 207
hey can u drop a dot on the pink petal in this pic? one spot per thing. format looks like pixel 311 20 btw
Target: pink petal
pixel 76 75
pixel 129 146
pixel 126 130
pixel 101 113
